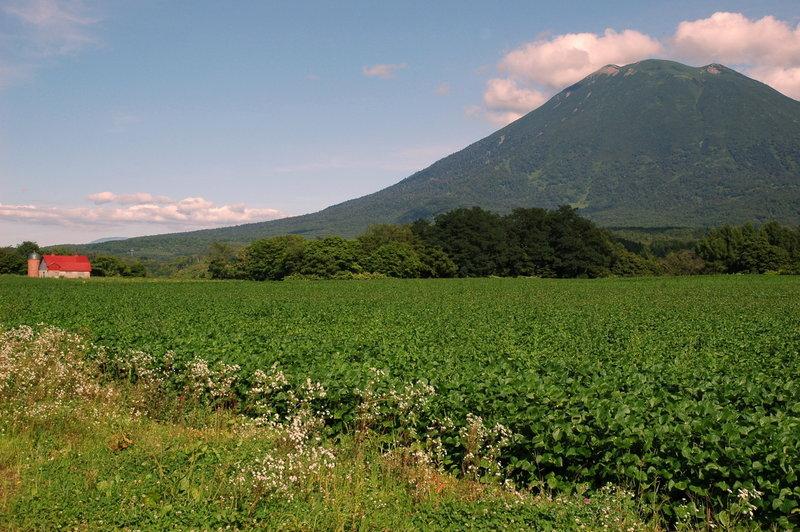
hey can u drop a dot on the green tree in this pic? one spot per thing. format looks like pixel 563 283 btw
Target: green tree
pixel 435 262
pixel 11 261
pixel 683 262
pixel 395 259
pixel 137 269
pixel 378 235
pixel 330 256
pixel 28 247
pixel 474 239
pixel 223 262
pixel 735 249
pixel 627 264
pixel 530 251
pixel 273 258
pixel 60 250
pixel 109 266
pixel 14 260
pixel 580 248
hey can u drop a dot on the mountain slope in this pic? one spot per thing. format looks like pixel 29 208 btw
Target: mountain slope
pixel 654 143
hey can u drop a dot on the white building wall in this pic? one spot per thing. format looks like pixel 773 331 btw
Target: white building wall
pixel 61 274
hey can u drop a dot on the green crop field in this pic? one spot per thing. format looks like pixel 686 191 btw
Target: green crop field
pixel 678 388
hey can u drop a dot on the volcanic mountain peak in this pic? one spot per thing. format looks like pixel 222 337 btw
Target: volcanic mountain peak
pixel 608 70
pixel 652 143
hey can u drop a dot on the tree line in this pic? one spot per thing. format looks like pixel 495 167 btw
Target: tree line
pixel 470 242
pixel 467 242
pixel 473 242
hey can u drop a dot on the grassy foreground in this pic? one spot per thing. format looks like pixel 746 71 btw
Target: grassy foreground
pixel 78 451
pixel 684 391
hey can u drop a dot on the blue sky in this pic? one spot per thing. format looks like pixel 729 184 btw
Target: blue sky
pixel 126 118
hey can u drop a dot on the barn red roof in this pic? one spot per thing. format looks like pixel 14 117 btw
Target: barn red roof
pixel 67 263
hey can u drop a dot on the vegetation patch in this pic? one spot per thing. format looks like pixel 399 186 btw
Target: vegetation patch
pixel 683 390
pixel 191 466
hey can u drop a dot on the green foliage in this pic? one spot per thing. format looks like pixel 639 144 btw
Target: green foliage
pixel 14 260
pixel 474 239
pixel 383 251
pixel 11 261
pixel 580 248
pixel 273 258
pixel 682 388
pixel 28 247
pixel 528 242
pixel 435 262
pixel 737 249
pixel 627 264
pixel 683 262
pixel 398 251
pixel 379 235
pixel 223 262
pixel 394 259
pixel 330 256
pixel 62 250
pixel 111 266
pixel 465 242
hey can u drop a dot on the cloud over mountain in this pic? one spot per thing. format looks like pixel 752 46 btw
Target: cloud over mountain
pixel 565 59
pixel 767 49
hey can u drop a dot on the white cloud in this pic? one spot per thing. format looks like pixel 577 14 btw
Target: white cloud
pixel 505 94
pixel 785 80
pixel 505 101
pixel 55 27
pixel 732 38
pixel 112 209
pixel 767 49
pixel 383 71
pixel 136 198
pixel 565 59
pixel 42 30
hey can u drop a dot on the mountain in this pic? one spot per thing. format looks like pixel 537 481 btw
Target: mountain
pixel 654 143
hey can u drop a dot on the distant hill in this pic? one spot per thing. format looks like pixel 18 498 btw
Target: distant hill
pixel 654 143
pixel 108 239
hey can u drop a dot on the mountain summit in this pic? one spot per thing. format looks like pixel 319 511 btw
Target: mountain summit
pixel 653 143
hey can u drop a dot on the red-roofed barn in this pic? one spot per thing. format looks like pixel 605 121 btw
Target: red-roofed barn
pixel 70 266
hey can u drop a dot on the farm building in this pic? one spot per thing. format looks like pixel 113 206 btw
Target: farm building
pixel 69 266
